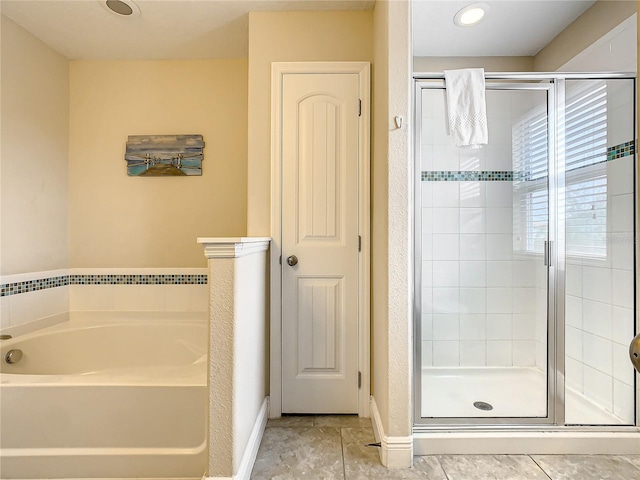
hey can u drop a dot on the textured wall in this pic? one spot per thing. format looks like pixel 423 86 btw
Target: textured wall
pixel 603 16
pixel 400 206
pixel 237 356
pixel 380 215
pixel 221 372
pixel 290 37
pixel 391 187
pixel 490 64
pixel 250 348
pixel 121 221
pixel 35 141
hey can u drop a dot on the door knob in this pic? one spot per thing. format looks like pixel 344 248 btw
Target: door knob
pixel 292 260
pixel 634 352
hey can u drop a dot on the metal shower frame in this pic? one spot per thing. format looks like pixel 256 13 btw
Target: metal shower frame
pixel 554 84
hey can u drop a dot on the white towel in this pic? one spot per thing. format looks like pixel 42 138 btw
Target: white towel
pixel 467 107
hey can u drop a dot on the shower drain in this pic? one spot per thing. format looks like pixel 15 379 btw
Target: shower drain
pixel 483 405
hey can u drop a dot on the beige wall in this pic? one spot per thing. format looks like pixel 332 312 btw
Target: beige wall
pixel 290 37
pixel 391 219
pixel 598 20
pixel 400 248
pixel 33 159
pixel 490 64
pixel 122 221
pixel 380 214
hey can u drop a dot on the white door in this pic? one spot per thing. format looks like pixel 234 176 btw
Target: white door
pixel 320 120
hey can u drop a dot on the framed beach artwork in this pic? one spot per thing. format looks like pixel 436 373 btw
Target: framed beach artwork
pixel 164 155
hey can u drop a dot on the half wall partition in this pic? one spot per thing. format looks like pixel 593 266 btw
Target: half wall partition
pixel 525 256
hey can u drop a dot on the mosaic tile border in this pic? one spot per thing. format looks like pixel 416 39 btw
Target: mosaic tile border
pixel 27 286
pixel 33 285
pixel 468 176
pixel 623 150
pixel 618 151
pixel 194 279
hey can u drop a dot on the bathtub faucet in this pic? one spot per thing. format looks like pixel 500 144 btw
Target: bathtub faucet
pixel 13 356
pixel 634 352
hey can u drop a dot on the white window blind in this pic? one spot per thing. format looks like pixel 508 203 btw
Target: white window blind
pixel 586 212
pixel 585 173
pixel 530 164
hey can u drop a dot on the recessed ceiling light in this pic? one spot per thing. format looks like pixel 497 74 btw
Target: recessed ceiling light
pixel 122 8
pixel 471 14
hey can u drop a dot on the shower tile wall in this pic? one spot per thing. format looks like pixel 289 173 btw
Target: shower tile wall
pixel 600 291
pixel 479 300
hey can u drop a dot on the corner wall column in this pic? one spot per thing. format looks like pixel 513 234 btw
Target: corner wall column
pixel 237 353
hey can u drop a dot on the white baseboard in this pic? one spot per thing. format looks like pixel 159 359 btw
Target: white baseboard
pixel 376 421
pixel 253 445
pixel 395 452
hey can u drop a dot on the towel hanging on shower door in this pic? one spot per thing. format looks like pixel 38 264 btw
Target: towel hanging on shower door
pixel 467 107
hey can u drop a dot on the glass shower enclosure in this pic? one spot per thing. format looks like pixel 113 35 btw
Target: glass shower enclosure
pixel 525 255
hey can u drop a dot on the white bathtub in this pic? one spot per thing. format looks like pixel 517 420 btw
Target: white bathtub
pixel 106 395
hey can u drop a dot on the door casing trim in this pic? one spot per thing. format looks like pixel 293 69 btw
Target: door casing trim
pixel 278 71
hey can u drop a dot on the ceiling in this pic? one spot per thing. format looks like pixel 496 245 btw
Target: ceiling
pixel 175 29
pixel 510 28
pixel 84 29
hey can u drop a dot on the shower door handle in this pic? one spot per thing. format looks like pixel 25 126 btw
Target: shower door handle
pixel 548 245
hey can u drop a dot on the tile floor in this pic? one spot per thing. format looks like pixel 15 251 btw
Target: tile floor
pixel 335 447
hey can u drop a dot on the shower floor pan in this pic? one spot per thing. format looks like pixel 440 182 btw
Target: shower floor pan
pixel 509 391
pixel 512 392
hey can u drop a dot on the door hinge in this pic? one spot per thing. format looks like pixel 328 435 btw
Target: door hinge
pixel 359 379
pixel 280 260
pixel 359 243
pixel 359 107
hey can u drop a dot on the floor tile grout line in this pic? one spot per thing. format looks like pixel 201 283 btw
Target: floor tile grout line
pixel 446 475
pixel 344 468
pixel 354 438
pixel 625 459
pixel 539 466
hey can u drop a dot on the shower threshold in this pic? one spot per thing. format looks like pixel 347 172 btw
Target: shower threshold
pixel 550 441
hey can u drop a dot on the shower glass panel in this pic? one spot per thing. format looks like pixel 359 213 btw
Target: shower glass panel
pixel 483 279
pixel 525 260
pixel 600 266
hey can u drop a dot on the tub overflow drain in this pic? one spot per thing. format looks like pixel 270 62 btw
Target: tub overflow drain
pixel 483 405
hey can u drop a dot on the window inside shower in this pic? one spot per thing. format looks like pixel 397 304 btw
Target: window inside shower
pixel 525 257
